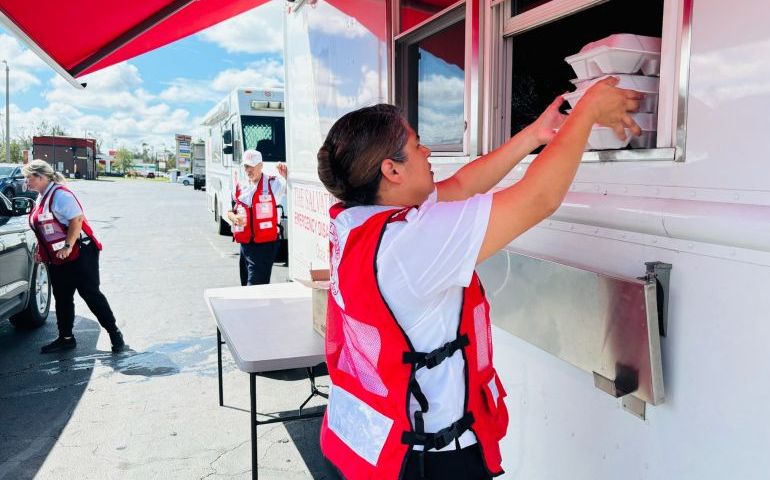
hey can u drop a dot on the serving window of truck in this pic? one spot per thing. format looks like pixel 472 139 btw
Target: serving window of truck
pixel 564 46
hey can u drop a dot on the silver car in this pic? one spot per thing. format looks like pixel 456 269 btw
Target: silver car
pixel 185 180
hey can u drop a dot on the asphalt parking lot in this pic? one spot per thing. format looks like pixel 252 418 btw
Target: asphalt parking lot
pixel 151 412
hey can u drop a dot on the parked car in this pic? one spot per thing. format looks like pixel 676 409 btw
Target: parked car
pixel 12 182
pixel 186 179
pixel 25 289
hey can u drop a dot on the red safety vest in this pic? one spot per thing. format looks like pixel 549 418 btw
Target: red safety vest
pixel 261 217
pixel 51 233
pixel 367 431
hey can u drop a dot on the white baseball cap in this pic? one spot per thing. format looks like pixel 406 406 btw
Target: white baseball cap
pixel 252 158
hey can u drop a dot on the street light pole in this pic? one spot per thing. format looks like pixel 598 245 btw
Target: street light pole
pixel 7 117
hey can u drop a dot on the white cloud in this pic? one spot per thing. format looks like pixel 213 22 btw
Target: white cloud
pixel 257 31
pixel 263 74
pixel 114 106
pixel 185 90
pixel 327 85
pixel 331 21
pixel 22 63
pixel 730 74
pixel 116 87
pixel 442 92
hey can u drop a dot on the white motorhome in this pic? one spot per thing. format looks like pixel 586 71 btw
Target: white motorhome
pixel 468 75
pixel 248 118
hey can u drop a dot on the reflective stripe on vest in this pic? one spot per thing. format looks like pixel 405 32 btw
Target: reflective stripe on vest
pixel 367 431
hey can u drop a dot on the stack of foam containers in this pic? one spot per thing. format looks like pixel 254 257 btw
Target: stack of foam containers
pixel 635 60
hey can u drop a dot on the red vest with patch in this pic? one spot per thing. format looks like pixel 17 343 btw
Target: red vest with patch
pixel 51 233
pixel 261 217
pixel 368 432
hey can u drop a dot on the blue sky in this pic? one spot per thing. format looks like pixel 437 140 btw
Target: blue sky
pixel 151 97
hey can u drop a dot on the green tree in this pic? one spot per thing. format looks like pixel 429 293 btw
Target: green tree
pixel 170 161
pixel 123 159
pixel 45 128
pixel 16 148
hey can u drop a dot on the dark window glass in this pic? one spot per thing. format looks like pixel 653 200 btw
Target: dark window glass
pixel 437 85
pixel 539 70
pixel 265 134
pixel 414 12
pixel 521 6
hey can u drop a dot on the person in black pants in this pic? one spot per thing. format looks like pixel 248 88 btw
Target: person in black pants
pixel 68 245
pixel 254 218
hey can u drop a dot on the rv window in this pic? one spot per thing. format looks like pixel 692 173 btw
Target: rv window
pixel 431 82
pixel 415 12
pixel 265 134
pixel 214 146
pixel 537 41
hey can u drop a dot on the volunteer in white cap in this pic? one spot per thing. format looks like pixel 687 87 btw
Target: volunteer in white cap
pixel 254 219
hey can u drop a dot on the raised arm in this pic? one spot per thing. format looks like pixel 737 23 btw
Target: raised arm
pixel 523 205
pixel 480 175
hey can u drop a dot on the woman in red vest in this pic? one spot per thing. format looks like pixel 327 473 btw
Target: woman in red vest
pixel 414 393
pixel 66 242
pixel 254 219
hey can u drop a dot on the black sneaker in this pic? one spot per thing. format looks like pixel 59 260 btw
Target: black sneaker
pixel 59 345
pixel 117 341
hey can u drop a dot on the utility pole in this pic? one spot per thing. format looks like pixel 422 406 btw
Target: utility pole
pixel 7 117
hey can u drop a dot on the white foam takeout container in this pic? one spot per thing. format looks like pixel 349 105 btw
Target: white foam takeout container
pixel 646 85
pixel 618 53
pixel 604 138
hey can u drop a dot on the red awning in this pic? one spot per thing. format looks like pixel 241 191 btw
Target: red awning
pixel 79 37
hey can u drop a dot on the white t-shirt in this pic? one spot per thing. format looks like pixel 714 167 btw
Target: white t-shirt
pixel 423 265
pixel 277 184
pixel 63 206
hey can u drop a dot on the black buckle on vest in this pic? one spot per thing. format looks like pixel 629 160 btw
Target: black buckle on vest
pixel 434 358
pixel 440 439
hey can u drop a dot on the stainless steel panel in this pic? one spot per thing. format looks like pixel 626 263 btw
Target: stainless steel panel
pixel 600 323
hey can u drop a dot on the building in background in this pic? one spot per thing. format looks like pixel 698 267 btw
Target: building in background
pixel 73 157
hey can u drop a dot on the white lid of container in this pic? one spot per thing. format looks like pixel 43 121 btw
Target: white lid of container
pixel 626 41
pixel 619 53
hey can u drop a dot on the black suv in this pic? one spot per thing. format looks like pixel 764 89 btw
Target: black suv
pixel 25 290
pixel 12 181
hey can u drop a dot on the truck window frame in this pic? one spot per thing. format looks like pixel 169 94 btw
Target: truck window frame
pixel 675 59
pixel 404 71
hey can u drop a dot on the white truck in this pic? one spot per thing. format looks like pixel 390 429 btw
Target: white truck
pixel 468 75
pixel 199 165
pixel 248 118
pixel 694 198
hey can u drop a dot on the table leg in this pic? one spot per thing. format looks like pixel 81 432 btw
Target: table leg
pixel 253 421
pixel 219 365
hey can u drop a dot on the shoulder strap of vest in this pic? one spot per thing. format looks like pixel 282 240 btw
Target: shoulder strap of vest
pixel 62 187
pixel 336 209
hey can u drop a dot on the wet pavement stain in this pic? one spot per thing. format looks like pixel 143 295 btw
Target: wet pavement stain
pixel 194 355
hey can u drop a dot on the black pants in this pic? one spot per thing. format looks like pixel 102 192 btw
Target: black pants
pixel 257 262
pixel 81 275
pixel 465 464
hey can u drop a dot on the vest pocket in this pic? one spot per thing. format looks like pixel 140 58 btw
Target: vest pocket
pixel 494 403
